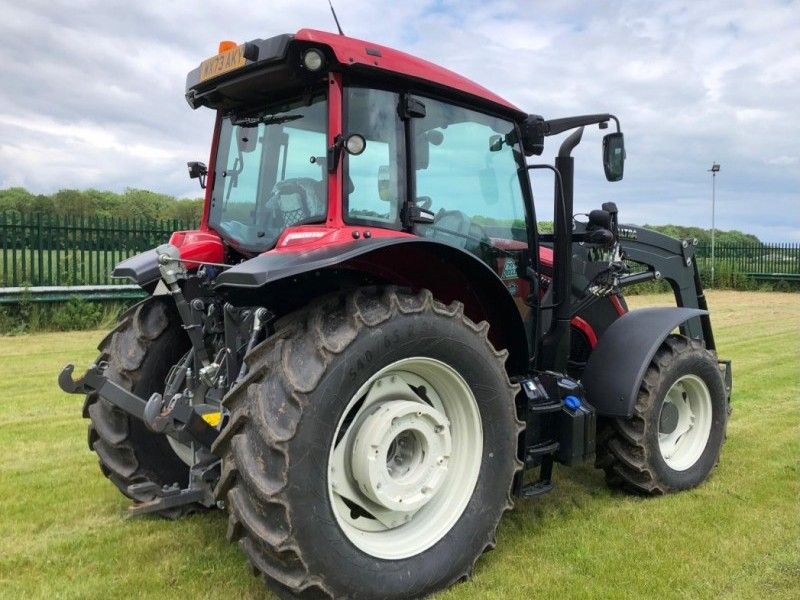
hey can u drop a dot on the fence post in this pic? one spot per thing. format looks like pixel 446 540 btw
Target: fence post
pixel 58 239
pixel 4 245
pixel 40 250
pixel 14 281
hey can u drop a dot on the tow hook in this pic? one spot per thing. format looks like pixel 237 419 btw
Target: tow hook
pixel 82 385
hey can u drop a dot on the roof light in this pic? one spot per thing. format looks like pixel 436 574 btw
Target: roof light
pixel 313 59
pixel 226 45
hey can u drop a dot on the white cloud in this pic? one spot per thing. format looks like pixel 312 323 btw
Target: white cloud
pixel 95 97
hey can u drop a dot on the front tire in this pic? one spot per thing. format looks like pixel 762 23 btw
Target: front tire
pixel 302 393
pixel 673 439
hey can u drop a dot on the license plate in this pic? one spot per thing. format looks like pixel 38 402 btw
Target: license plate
pixel 230 60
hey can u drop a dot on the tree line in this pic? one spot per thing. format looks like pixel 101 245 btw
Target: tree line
pixel 144 204
pixel 130 204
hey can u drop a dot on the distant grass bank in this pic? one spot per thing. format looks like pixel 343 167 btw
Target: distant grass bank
pixel 63 530
pixel 74 315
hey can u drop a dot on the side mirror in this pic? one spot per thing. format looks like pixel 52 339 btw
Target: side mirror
pixel 614 155
pixel 496 143
pixel 354 144
pixel 198 170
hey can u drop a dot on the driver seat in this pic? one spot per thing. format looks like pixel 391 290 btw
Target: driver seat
pixel 299 200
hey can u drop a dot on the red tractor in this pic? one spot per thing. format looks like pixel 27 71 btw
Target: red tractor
pixel 368 348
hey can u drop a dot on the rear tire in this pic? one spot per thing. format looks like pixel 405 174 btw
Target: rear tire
pixel 286 418
pixel 139 353
pixel 673 439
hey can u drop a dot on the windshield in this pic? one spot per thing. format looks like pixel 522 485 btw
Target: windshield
pixel 270 172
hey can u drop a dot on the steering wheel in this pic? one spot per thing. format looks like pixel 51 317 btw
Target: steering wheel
pixel 456 226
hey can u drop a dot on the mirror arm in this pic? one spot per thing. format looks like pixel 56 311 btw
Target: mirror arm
pixel 556 126
pixel 198 170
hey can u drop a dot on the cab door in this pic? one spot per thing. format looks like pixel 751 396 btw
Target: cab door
pixel 466 172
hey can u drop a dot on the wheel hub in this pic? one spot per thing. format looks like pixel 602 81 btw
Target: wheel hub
pixel 400 454
pixel 669 418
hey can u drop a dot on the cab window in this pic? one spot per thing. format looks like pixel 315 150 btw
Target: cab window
pixel 466 174
pixel 374 180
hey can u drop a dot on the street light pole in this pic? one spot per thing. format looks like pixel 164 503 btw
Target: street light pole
pixel 713 170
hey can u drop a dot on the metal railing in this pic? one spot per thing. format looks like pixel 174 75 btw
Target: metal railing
pixel 767 261
pixel 43 250
pixel 39 251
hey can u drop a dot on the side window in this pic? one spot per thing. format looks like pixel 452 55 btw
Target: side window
pixel 466 174
pixel 374 180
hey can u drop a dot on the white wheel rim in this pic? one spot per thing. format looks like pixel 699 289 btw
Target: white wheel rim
pixel 685 422
pixel 184 451
pixel 411 465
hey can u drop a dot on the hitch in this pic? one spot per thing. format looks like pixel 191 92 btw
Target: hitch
pixel 150 498
pixel 177 418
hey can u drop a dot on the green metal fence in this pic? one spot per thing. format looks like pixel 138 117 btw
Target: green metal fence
pixel 44 250
pixel 759 261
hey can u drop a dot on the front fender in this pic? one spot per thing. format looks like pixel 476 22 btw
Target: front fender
pixel 618 363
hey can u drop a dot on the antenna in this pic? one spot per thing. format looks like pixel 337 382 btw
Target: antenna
pixel 339 27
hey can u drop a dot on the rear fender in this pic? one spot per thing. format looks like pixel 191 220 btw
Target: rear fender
pixel 620 359
pixel 285 281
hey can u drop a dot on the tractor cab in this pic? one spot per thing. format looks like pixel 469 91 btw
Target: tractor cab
pixel 318 133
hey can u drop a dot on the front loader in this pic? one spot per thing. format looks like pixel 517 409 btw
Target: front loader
pixel 367 349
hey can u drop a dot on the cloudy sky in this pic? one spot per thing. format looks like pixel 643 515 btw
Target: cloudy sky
pixel 91 92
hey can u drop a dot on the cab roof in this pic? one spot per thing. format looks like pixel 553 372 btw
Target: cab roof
pixel 352 51
pixel 350 54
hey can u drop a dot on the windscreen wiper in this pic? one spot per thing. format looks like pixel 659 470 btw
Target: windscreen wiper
pixel 254 121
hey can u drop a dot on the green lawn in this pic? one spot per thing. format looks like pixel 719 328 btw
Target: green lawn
pixel 64 533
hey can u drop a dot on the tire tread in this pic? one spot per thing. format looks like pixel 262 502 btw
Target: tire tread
pixel 284 368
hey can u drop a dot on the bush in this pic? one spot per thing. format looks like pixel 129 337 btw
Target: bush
pixel 76 314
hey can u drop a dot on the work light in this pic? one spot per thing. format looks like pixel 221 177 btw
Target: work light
pixel 313 59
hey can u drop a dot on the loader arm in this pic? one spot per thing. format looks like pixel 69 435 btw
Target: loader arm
pixel 674 261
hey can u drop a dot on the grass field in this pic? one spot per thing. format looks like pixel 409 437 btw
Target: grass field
pixel 63 530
